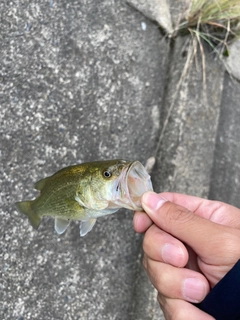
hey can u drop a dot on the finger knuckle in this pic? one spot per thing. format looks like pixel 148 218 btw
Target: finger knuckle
pixel 168 308
pixel 179 214
pixel 148 240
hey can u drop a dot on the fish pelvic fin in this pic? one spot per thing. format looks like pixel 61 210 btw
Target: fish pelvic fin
pixel 25 207
pixel 61 225
pixel 86 226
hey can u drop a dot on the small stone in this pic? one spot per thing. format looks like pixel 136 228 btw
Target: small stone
pixel 143 26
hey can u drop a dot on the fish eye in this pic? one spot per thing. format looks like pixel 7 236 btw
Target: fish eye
pixel 107 174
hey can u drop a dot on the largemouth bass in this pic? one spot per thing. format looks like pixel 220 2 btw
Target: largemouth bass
pixel 87 191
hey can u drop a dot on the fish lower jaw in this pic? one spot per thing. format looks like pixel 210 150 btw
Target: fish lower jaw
pixel 128 204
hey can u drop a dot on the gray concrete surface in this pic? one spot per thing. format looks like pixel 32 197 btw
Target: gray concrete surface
pixel 225 178
pixel 80 81
pixel 185 155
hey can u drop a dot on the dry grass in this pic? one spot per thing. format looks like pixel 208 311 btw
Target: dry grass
pixel 215 21
pixel 211 11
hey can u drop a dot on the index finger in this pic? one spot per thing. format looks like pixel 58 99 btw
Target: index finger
pixel 207 238
pixel 141 221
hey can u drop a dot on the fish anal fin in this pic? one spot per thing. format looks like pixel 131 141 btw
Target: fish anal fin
pixel 61 225
pixel 39 185
pixel 26 208
pixel 86 226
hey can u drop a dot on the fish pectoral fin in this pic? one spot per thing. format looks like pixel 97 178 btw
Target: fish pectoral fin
pixel 73 205
pixel 79 201
pixel 92 203
pixel 61 225
pixel 86 226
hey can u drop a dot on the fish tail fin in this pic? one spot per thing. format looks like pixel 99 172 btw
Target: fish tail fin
pixel 25 207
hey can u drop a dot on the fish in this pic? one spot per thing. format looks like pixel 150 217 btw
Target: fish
pixel 86 192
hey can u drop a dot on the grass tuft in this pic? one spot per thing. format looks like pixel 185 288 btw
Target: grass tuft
pixel 215 21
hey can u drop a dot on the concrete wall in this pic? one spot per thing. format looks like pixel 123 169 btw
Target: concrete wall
pixel 80 81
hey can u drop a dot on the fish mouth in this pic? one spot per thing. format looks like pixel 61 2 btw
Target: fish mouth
pixel 133 182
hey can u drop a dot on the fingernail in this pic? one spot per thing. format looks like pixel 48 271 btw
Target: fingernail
pixel 152 201
pixel 194 290
pixel 172 254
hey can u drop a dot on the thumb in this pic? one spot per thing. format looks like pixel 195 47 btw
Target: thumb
pixel 208 239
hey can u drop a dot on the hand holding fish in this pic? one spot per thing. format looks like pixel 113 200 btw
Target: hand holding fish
pixel 190 244
pixel 87 191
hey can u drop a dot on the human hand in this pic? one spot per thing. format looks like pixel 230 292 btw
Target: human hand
pixel 187 251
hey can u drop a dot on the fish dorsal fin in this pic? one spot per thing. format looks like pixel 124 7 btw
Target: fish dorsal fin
pixel 61 225
pixel 86 226
pixel 40 184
